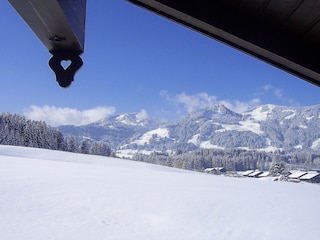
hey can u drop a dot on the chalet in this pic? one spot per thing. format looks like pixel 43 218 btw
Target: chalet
pixel 264 174
pixel 208 170
pixel 246 173
pixel 219 170
pixel 255 174
pixel 215 170
pixel 296 174
pixel 312 177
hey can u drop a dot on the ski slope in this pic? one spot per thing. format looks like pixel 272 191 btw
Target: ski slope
pixel 62 196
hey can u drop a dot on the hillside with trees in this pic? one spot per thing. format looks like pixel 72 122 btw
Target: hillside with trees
pixel 233 160
pixel 16 130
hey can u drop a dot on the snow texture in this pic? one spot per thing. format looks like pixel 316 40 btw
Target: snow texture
pixel 56 195
pixel 261 113
pixel 247 125
pixel 316 144
pixel 158 133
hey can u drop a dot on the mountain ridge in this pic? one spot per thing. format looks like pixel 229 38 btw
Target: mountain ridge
pixel 266 128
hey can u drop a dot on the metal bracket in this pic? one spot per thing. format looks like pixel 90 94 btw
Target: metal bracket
pixel 65 76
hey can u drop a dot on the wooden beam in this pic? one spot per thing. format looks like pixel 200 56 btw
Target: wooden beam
pixel 58 24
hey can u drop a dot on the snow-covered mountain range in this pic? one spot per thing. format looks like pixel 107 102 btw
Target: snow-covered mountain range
pixel 266 128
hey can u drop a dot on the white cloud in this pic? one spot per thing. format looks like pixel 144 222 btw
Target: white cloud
pixel 266 90
pixel 190 102
pixel 142 115
pixel 202 100
pixel 193 102
pixel 56 116
pixel 266 87
pixel 240 107
pixel 270 89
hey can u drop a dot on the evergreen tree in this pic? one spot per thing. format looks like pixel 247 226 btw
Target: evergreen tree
pixel 84 148
pixel 105 150
pixel 277 166
pixel 72 145
pixel 95 149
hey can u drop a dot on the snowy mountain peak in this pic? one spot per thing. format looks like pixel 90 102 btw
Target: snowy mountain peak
pixel 129 119
pixel 267 127
pixel 260 113
pixel 214 112
pixel 139 119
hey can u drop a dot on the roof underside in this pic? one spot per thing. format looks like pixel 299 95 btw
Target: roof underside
pixel 284 33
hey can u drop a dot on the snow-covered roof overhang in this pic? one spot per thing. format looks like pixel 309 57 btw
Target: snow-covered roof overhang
pixel 296 174
pixel 309 176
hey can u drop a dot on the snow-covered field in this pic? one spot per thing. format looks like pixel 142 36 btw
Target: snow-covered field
pixel 56 195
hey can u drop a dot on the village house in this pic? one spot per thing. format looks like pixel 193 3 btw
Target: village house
pixel 312 177
pixel 215 170
pixel 255 174
pixel 247 173
pixel 296 175
pixel 264 174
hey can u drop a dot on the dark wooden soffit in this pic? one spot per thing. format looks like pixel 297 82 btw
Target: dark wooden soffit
pixel 284 33
pixel 58 24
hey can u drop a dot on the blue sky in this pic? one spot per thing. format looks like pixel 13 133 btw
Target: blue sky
pixel 136 61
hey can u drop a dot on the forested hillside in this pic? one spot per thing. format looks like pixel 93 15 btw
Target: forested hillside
pixel 16 130
pixel 232 159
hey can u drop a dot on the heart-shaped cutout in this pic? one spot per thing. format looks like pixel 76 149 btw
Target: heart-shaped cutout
pixel 65 64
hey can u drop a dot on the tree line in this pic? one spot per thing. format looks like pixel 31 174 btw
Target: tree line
pixel 232 159
pixel 16 130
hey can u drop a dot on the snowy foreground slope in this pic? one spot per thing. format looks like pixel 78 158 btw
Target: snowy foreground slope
pixel 55 195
